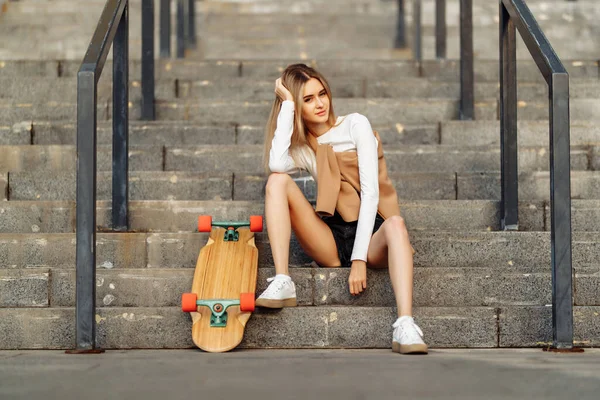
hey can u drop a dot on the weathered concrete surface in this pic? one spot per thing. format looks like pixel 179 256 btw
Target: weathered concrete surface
pixel 530 133
pixel 434 287
pixel 24 287
pixel 299 327
pixel 180 216
pixel 147 185
pixel 319 374
pixel 532 326
pixel 532 185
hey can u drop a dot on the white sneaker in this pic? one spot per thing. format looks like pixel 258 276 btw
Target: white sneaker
pixel 408 337
pixel 280 293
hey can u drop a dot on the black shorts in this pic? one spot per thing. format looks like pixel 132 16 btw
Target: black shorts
pixel 344 234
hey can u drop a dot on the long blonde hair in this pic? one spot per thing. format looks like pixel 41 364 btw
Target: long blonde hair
pixel 294 77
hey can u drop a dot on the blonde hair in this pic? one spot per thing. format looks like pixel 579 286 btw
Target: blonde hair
pixel 294 77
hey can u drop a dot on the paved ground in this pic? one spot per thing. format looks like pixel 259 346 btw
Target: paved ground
pixel 303 374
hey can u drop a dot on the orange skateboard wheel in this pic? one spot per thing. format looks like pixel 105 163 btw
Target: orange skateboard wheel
pixel 247 302
pixel 188 302
pixel 204 223
pixel 256 223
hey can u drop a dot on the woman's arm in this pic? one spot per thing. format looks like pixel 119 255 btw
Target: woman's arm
pixel 368 169
pixel 279 156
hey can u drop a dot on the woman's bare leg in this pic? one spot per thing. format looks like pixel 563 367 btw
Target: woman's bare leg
pixel 286 208
pixel 398 258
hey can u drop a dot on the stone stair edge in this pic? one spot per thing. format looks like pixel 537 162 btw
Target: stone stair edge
pixel 140 125
pixel 180 249
pixel 64 68
pixel 122 328
pixel 316 287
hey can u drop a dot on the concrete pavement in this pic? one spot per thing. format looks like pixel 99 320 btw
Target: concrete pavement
pixel 300 374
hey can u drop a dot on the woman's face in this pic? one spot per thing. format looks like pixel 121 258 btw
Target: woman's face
pixel 315 103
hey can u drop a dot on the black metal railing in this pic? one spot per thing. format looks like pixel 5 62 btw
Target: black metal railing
pixel 466 109
pixel 185 27
pixel 515 15
pixel 112 30
pixel 147 105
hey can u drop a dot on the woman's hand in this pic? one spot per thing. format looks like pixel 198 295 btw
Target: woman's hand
pixel 282 92
pixel 358 277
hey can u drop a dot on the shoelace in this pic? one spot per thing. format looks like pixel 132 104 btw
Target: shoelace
pixel 273 288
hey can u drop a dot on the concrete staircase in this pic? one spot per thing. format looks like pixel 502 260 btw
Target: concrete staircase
pixel 475 286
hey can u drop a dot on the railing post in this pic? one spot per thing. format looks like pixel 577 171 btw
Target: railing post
pixel 467 74
pixel 180 28
pixel 147 60
pixel 400 41
pixel 417 40
pixel 191 39
pixel 86 213
pixel 560 210
pixel 120 164
pixel 508 123
pixel 440 29
pixel 165 28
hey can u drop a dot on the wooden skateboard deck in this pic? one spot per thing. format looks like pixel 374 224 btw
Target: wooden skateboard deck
pixel 225 275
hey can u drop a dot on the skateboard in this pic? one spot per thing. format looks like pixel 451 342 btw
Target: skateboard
pixel 223 289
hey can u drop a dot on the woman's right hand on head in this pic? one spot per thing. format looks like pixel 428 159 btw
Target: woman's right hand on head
pixel 282 92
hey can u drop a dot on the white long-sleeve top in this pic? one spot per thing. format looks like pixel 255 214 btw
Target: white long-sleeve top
pixel 351 133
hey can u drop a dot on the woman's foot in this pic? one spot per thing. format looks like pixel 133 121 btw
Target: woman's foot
pixel 408 337
pixel 280 293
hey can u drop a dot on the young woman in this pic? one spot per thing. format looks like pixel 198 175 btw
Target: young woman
pixel 356 221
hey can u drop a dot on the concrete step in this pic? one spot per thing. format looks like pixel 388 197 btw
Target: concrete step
pixel 247 159
pixel 364 36
pixel 382 111
pixel 41 89
pixel 182 185
pixel 12 112
pixel 332 69
pixel 346 35
pixel 379 111
pixel 181 133
pixel 39 158
pixel 367 7
pixel 182 216
pixel 355 37
pixel 300 327
pixel 174 216
pixel 532 186
pixel 463 248
pixel 530 133
pixel 206 186
pixel 37 89
pixel 434 287
pixel 426 158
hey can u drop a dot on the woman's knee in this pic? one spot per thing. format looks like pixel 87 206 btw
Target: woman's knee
pixel 276 182
pixel 395 226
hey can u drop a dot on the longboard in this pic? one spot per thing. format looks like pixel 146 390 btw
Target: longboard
pixel 223 289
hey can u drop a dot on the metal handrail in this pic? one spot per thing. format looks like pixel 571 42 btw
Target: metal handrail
pixel 466 109
pixel 185 27
pixel 515 15
pixel 113 28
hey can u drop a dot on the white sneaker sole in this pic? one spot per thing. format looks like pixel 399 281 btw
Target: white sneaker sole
pixel 409 348
pixel 276 303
